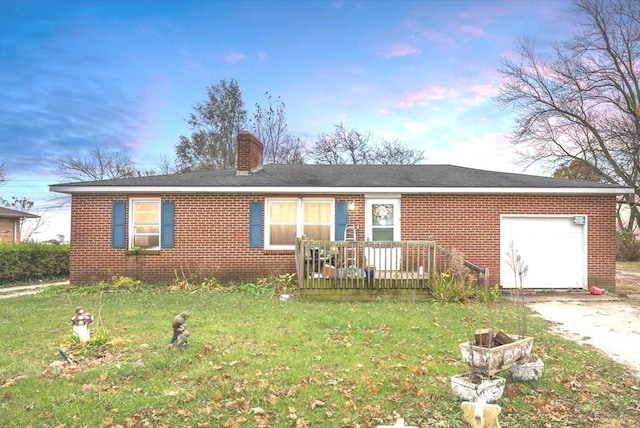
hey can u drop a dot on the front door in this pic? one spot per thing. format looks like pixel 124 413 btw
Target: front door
pixel 382 224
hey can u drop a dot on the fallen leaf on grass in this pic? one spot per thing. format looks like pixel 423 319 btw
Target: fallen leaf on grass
pixel 317 403
pixel 8 382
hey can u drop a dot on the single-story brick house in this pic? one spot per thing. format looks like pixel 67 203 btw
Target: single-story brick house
pixel 242 223
pixel 10 221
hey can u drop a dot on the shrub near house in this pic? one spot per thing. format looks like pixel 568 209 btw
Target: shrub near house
pixel 32 262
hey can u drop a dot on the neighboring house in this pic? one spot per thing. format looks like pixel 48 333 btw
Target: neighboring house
pixel 10 221
pixel 242 224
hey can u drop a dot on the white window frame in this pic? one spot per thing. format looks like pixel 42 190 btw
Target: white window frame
pixel 300 219
pixel 132 203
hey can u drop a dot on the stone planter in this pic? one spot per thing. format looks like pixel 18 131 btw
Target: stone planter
pixel 489 388
pixel 528 369
pixel 489 361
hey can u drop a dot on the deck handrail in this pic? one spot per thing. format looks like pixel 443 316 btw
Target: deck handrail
pixel 349 264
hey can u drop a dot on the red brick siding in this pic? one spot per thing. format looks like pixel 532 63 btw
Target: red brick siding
pixel 250 151
pixel 471 225
pixel 212 234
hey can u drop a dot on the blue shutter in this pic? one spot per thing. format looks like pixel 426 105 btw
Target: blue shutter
pixel 255 224
pixel 118 220
pixel 167 214
pixel 342 219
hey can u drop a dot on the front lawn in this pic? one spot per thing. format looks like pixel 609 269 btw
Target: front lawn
pixel 256 361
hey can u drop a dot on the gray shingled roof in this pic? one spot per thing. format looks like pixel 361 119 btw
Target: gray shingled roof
pixel 9 213
pixel 341 176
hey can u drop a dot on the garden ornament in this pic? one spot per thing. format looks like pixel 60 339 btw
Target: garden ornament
pixel 80 323
pixel 481 414
pixel 180 334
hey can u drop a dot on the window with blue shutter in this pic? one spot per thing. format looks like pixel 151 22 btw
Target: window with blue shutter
pixel 255 224
pixel 167 224
pixel 342 219
pixel 118 221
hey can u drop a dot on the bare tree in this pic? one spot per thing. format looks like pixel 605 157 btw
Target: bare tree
pixel 350 146
pixel 582 103
pixel 164 166
pixel 98 164
pixel 215 124
pixel 269 125
pixel 395 153
pixel 342 146
pixel 2 177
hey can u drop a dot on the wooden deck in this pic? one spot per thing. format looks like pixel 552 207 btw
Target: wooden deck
pixel 366 270
pixel 361 270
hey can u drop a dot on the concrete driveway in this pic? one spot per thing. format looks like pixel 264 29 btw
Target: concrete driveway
pixel 609 324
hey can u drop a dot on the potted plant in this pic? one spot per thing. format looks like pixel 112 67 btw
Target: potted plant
pixel 477 383
pixel 527 369
pixel 473 386
pixel 491 352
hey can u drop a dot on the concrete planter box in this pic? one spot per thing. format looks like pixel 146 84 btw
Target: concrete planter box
pixel 469 389
pixel 489 361
pixel 527 370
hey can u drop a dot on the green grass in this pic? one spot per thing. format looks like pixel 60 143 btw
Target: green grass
pixel 255 361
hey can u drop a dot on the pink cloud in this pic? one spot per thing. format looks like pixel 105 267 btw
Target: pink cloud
pixel 234 57
pixel 401 49
pixel 471 29
pixel 477 94
pixel 421 96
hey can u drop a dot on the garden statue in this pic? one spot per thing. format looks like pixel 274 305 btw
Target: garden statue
pixel 180 333
pixel 80 323
pixel 480 414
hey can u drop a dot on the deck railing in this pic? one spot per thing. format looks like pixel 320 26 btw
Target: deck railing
pixel 365 264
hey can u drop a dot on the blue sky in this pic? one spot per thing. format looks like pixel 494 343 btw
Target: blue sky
pixel 126 74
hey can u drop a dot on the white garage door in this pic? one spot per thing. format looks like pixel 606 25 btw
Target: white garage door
pixel 554 248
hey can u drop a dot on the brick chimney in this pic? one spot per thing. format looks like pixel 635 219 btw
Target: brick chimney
pixel 250 151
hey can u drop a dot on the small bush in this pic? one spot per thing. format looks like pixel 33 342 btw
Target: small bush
pixel 125 283
pixel 24 262
pixel 627 247
pixel 98 340
pixel 193 282
pixel 282 284
pixel 488 295
pixel 448 288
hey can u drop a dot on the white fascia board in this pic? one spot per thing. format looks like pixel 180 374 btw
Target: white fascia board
pixel 61 188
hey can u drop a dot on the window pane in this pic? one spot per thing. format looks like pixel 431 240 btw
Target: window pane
pixel 319 232
pixel 283 212
pixel 146 241
pixel 146 224
pixel 317 212
pixel 282 234
pixel 317 220
pixel 383 234
pixel 146 212
pixel 147 229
